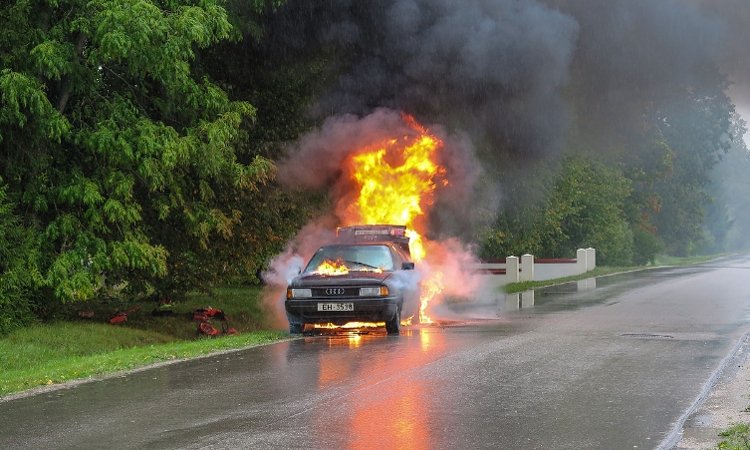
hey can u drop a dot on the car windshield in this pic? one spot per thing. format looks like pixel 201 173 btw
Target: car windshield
pixel 341 259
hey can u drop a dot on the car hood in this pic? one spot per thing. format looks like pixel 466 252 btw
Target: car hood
pixel 350 279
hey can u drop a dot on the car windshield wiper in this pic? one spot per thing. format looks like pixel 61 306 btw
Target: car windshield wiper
pixel 347 261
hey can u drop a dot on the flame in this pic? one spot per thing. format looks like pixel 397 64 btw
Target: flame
pixel 348 325
pixel 397 180
pixel 430 288
pixel 332 268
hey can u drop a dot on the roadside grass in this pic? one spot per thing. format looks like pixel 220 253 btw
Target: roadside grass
pixel 70 348
pixel 666 260
pixel 522 286
pixel 737 438
pixel 661 260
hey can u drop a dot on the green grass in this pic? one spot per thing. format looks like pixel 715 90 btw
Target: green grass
pixel 736 437
pixel 71 348
pixel 666 260
pixel 512 288
pixel 661 260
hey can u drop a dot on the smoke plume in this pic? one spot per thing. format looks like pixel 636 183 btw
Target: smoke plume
pixel 490 68
pixel 498 79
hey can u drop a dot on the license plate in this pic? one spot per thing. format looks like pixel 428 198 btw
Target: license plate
pixel 335 306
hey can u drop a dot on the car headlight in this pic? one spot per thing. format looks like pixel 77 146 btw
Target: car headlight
pixel 373 291
pixel 298 293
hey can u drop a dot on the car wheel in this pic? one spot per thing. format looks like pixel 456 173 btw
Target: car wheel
pixel 393 326
pixel 295 325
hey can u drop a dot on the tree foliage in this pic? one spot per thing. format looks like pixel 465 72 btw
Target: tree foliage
pixel 114 144
pixel 19 271
pixel 696 123
pixel 665 153
pixel 584 207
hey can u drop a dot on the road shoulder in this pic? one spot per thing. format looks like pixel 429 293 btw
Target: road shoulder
pixel 726 404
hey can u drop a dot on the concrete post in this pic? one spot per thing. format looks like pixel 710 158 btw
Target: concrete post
pixel 581 261
pixel 590 259
pixel 527 268
pixel 511 269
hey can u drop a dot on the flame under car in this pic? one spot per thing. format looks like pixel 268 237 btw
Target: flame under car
pixel 354 282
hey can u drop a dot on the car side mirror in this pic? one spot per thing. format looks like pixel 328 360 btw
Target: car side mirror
pixel 407 266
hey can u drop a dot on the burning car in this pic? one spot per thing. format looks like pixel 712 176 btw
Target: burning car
pixel 366 276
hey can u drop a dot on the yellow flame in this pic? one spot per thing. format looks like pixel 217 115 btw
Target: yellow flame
pixel 353 325
pixel 397 181
pixel 348 325
pixel 332 268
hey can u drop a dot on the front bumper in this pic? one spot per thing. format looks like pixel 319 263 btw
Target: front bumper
pixel 380 309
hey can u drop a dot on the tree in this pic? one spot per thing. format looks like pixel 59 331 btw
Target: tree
pixel 114 145
pixel 696 124
pixel 19 271
pixel 584 207
pixel 731 185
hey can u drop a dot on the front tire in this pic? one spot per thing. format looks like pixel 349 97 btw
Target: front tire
pixel 393 326
pixel 295 325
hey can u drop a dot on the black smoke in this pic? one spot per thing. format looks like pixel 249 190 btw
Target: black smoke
pixel 632 52
pixel 493 69
pixel 509 77
pixel 499 69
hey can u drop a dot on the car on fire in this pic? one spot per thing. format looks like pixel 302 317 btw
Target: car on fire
pixel 367 275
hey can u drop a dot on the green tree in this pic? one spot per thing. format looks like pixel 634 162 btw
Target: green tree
pixel 115 143
pixel 696 122
pixel 585 207
pixel 19 271
pixel 731 185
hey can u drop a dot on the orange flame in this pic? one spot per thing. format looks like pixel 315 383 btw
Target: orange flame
pixel 397 181
pixel 348 325
pixel 332 268
pixel 430 288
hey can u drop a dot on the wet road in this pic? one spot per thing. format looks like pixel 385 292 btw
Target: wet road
pixel 613 363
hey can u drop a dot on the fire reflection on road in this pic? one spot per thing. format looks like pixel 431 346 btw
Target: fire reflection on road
pixel 396 417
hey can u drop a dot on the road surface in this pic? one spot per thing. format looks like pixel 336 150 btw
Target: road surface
pixel 619 362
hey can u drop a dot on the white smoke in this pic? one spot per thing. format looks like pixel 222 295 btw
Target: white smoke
pixel 289 264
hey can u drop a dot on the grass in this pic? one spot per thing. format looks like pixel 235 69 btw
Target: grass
pixel 512 288
pixel 71 348
pixel 662 260
pixel 666 260
pixel 736 437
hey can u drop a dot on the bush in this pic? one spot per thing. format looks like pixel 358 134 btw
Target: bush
pixel 645 247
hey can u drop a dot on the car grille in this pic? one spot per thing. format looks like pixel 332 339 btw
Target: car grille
pixel 335 292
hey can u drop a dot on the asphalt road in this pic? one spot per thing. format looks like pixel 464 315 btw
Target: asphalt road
pixel 620 362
